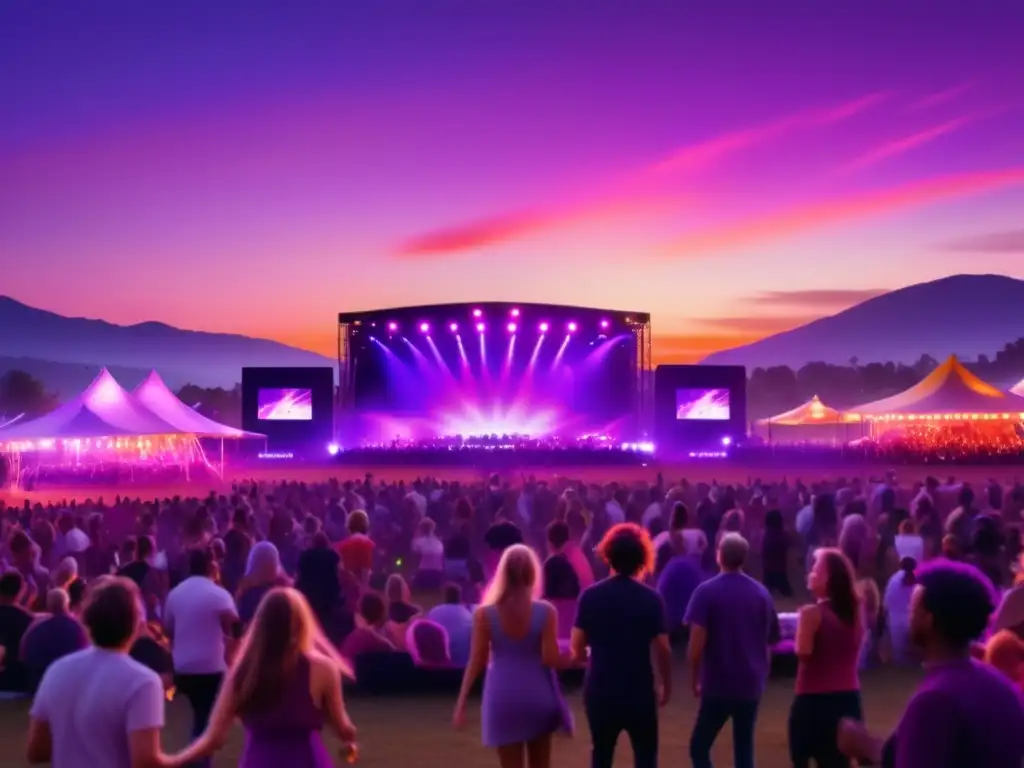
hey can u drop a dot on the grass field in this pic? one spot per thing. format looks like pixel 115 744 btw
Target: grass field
pixel 414 732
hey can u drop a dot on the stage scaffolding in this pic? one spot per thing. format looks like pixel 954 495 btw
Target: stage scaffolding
pixel 644 364
pixel 639 324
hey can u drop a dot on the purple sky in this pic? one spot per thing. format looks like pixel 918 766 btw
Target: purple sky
pixel 735 167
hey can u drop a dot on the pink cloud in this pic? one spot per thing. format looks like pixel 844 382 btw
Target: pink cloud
pixel 690 159
pixel 941 97
pixel 819 215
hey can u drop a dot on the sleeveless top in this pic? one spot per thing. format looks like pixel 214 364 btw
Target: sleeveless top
pixel 291 727
pixel 832 665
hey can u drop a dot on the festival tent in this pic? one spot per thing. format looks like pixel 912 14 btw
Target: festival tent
pixel 1019 389
pixel 949 393
pixel 104 409
pixel 157 397
pixel 810 413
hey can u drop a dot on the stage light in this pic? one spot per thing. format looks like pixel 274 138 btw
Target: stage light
pixel 424 327
pixel 515 312
pixel 392 326
pixel 572 327
pixel 511 327
pixel 480 327
pixel 478 313
pixel 453 327
pixel 544 327
pixel 604 323
pixel 726 441
pixel 333 449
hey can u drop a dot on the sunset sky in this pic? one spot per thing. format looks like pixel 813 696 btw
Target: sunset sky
pixel 737 168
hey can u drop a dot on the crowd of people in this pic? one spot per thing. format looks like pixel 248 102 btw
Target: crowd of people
pixel 256 604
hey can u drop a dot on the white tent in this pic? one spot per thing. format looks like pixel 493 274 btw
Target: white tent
pixel 1019 389
pixel 104 409
pixel 155 395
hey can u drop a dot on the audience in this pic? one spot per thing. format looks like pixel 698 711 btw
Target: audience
pixel 457 621
pixel 14 623
pixel 732 625
pixel 369 636
pixel 284 685
pixel 828 644
pixel 52 636
pixel 522 702
pixel 98 707
pixel 964 714
pixel 621 622
pixel 199 617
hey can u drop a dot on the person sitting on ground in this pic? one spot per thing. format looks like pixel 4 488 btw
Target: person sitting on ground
pixel 51 637
pixel 427 643
pixel 369 635
pixel 400 609
pixel 457 621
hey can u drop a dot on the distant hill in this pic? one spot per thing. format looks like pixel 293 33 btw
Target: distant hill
pixel 197 357
pixel 965 315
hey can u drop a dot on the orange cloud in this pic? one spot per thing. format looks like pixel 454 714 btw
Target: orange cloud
pixel 906 144
pixel 504 227
pixel 722 333
pixel 941 97
pixel 818 215
pixel 826 299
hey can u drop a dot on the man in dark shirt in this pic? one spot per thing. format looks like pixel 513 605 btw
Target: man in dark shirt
pixel 621 620
pixel 237 544
pixel 14 623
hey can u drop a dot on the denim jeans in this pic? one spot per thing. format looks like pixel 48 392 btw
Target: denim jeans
pixel 712 716
pixel 201 692
pixel 607 720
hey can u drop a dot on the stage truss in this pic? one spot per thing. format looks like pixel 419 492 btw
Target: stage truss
pixel 643 364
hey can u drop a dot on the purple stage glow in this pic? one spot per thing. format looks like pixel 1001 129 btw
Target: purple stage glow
pixel 284 405
pixel 453 327
pixel 702 405
pixel 392 327
pixel 424 327
pixel 604 324
pixel 514 312
pixel 514 383
pixel 572 327
pixel 478 313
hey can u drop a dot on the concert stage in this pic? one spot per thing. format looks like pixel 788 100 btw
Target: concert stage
pixel 539 371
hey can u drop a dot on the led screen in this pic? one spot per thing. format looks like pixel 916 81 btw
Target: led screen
pixel 702 405
pixel 285 405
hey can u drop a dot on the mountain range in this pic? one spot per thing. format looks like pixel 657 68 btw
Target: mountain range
pixel 67 352
pixel 962 315
pixel 966 315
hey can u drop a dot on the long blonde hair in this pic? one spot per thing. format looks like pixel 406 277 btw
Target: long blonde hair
pixel 282 630
pixel 518 571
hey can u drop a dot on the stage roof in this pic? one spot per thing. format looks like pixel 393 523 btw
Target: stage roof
pixel 812 412
pixel 446 313
pixel 104 409
pixel 154 394
pixel 950 391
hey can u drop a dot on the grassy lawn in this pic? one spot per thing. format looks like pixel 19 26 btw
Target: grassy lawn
pixel 409 732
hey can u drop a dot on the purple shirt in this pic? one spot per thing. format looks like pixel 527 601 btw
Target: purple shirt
pixel 963 715
pixel 739 617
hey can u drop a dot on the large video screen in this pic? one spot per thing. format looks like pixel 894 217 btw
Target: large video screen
pixel 703 405
pixel 284 405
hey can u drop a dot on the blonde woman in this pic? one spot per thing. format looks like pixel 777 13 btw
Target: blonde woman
pixel 285 685
pixel 522 702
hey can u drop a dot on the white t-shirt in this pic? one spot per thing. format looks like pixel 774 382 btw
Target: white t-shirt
pixel 431 552
pixel 194 609
pixel 92 700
